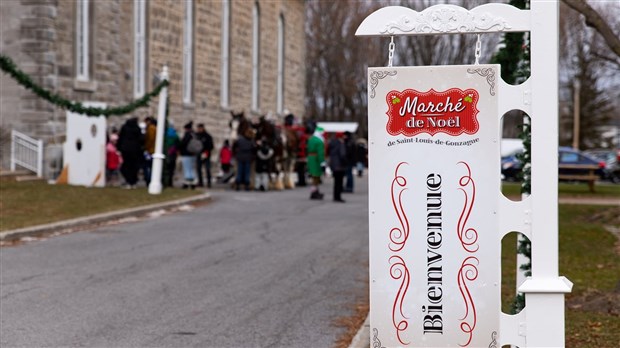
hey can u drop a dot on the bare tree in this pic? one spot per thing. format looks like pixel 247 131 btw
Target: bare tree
pixel 602 25
pixel 336 74
pixel 338 61
pixel 582 68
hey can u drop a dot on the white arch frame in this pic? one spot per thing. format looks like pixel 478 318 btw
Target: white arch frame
pixel 541 323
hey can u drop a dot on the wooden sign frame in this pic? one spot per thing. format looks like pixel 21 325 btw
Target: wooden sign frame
pixel 541 323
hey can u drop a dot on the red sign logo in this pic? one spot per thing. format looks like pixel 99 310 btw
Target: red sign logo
pixel 453 112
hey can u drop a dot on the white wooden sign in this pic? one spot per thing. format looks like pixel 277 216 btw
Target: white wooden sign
pixel 434 240
pixel 84 149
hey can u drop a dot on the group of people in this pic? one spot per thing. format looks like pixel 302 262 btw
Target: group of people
pixel 343 154
pixel 131 150
pixel 195 150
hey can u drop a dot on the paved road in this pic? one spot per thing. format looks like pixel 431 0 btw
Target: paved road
pixel 248 269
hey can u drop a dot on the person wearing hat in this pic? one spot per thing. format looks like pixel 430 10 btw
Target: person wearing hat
pixel 338 164
pixel 315 155
pixel 171 149
pixel 204 158
pixel 243 150
pixel 150 132
pixel 130 144
pixel 188 155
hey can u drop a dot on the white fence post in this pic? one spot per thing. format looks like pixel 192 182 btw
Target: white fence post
pixel 541 323
pixel 155 186
pixel 13 150
pixel 26 152
pixel 544 290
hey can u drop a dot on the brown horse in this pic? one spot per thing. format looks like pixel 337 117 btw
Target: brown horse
pixel 239 125
pixel 282 139
pixel 291 149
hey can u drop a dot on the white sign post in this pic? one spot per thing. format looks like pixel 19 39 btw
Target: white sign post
pixel 437 214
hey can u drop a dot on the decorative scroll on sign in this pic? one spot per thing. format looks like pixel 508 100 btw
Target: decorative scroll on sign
pixel 435 249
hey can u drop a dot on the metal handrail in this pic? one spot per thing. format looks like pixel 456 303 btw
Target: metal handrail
pixel 26 152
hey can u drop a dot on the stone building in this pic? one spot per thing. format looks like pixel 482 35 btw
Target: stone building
pixel 222 55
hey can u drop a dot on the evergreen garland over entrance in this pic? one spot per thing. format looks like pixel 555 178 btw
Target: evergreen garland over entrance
pixel 8 66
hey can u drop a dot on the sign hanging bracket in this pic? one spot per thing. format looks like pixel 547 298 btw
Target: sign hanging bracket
pixel 391 51
pixel 478 49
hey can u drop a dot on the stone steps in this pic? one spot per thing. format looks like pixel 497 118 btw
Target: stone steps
pixel 18 175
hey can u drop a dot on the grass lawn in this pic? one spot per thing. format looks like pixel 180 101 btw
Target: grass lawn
pixel 570 190
pixel 32 203
pixel 590 258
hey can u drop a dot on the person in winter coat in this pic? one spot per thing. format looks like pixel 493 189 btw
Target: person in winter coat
pixel 300 160
pixel 130 141
pixel 113 159
pixel 349 143
pixel 361 156
pixel 243 149
pixel 171 149
pixel 338 163
pixel 188 158
pixel 204 158
pixel 264 157
pixel 150 133
pixel 225 159
pixel 315 156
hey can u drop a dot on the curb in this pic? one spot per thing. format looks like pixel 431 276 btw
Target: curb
pixel 16 234
pixel 362 338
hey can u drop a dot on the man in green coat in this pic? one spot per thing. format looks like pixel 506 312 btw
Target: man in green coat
pixel 315 156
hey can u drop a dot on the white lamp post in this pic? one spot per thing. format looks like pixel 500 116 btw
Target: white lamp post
pixel 155 186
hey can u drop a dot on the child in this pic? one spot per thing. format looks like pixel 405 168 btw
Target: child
pixel 225 159
pixel 113 160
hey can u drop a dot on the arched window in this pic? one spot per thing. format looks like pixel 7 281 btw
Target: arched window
pixel 188 32
pixel 225 81
pixel 82 32
pixel 139 54
pixel 280 82
pixel 255 56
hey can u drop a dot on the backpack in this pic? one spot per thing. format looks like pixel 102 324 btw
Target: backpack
pixel 194 146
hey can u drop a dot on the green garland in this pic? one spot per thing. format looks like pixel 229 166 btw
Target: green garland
pixel 9 67
pixel 525 245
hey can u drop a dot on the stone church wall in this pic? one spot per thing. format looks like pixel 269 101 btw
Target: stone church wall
pixel 39 35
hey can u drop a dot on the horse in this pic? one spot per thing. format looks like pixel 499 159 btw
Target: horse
pixel 239 125
pixel 282 140
pixel 291 149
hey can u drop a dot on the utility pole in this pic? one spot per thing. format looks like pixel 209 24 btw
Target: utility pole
pixel 576 114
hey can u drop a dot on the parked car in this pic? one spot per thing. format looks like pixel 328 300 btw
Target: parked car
pixel 511 166
pixel 611 157
pixel 569 156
